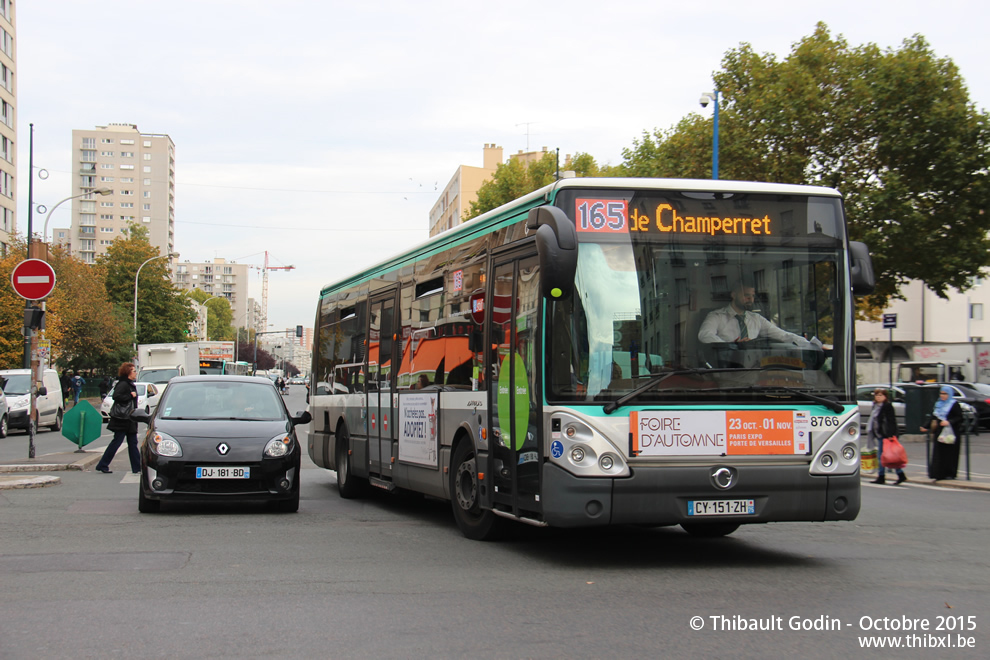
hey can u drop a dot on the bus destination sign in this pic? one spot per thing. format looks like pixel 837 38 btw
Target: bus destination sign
pixel 612 216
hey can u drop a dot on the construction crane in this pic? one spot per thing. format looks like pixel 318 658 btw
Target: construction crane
pixel 264 289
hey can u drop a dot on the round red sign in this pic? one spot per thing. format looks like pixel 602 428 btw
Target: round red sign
pixel 33 279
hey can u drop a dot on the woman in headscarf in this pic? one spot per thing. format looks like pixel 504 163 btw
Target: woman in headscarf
pixel 883 424
pixel 947 417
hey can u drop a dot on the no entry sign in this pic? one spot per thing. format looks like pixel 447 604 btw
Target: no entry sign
pixel 33 279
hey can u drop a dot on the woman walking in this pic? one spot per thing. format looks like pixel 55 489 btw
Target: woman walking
pixel 945 429
pixel 883 424
pixel 125 394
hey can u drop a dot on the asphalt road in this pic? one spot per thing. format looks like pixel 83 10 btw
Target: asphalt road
pixel 85 575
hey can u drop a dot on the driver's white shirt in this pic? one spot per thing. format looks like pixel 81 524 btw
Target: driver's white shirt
pixel 721 326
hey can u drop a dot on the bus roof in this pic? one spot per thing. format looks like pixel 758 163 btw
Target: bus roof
pixel 501 215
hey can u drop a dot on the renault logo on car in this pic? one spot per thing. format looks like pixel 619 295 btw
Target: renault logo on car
pixel 723 478
pixel 223 448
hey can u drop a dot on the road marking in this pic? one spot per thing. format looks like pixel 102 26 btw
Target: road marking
pixel 131 479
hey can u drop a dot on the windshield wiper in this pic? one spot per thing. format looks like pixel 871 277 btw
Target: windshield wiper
pixel 834 406
pixel 612 406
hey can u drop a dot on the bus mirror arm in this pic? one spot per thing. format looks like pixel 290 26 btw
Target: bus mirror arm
pixel 861 269
pixel 556 242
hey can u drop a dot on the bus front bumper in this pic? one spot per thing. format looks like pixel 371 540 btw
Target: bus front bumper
pixel 660 496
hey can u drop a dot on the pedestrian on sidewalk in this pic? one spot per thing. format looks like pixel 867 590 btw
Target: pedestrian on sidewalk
pixel 123 427
pixel 883 424
pixel 944 429
pixel 77 384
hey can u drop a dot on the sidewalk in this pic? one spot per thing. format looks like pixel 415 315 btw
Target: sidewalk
pixel 13 473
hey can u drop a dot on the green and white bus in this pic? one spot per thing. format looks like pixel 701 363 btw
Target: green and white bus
pixel 542 362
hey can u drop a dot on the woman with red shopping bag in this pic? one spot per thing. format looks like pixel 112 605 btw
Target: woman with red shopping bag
pixel 883 428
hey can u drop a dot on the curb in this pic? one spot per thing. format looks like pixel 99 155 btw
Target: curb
pixel 12 483
pixel 88 460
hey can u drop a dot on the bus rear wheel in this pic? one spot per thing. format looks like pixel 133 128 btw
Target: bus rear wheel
pixel 709 530
pixel 349 486
pixel 465 498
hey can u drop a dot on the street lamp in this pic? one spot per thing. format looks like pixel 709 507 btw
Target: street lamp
pixel 706 98
pixel 170 255
pixel 98 191
pixel 206 318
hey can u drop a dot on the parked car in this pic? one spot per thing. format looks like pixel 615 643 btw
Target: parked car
pixel 3 414
pixel 220 438
pixel 148 395
pixel 16 383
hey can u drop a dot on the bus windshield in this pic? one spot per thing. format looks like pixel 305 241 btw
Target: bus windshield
pixel 733 297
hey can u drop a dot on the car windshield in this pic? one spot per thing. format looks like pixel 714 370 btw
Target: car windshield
pixel 158 375
pixel 222 400
pixel 15 384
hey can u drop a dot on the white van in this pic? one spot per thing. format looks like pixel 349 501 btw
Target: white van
pixel 16 384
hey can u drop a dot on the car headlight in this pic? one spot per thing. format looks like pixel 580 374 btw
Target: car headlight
pixel 278 446
pixel 19 403
pixel 165 445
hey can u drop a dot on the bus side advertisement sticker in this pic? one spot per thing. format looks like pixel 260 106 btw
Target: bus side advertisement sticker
pixel 732 433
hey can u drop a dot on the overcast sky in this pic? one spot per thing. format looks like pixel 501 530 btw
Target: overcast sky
pixel 323 132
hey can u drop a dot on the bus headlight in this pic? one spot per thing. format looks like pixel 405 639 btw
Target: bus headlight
pixel 606 462
pixel 577 454
pixel 849 452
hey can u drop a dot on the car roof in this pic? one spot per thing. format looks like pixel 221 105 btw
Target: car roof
pixel 220 379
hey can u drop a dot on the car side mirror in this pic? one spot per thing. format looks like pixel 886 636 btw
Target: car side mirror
pixel 140 415
pixel 42 391
pixel 302 417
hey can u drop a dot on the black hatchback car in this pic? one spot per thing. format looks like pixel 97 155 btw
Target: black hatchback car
pixel 220 438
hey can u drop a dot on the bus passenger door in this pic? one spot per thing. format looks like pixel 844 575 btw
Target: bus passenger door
pixel 381 384
pixel 512 368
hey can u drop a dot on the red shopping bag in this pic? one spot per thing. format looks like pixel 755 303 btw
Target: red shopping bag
pixel 894 456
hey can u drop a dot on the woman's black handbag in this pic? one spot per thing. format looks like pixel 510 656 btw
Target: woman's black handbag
pixel 121 410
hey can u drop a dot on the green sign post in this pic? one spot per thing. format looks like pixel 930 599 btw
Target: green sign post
pixel 82 424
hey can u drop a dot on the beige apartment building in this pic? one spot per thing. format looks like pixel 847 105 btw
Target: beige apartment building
pixel 462 189
pixel 139 169
pixel 8 128
pixel 220 278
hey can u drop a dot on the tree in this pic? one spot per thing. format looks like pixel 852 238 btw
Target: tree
pixel 11 309
pixel 218 315
pixel 164 313
pixel 893 130
pixel 85 330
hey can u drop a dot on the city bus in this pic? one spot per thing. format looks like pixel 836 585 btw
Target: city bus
pixel 236 368
pixel 542 363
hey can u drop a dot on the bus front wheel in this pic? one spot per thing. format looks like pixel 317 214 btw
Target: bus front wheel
pixel 709 530
pixel 465 498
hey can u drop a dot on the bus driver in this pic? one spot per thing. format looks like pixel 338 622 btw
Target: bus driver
pixel 737 322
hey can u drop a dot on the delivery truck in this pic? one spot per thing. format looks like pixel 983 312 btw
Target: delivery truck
pixel 160 363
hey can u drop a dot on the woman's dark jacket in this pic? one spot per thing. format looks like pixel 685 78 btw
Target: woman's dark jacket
pixel 122 394
pixel 885 425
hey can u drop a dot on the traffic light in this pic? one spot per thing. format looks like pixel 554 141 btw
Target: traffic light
pixel 34 318
pixel 299 331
